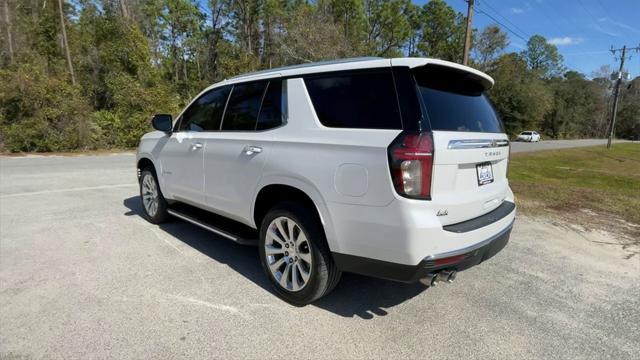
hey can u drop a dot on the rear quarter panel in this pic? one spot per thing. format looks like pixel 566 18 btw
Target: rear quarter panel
pixel 345 166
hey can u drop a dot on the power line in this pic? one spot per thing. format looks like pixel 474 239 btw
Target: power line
pixel 587 11
pixel 555 11
pixel 604 8
pixel 501 24
pixel 570 67
pixel 547 15
pixel 485 2
pixel 513 32
pixel 587 52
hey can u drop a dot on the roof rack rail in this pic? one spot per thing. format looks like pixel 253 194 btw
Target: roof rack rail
pixel 305 65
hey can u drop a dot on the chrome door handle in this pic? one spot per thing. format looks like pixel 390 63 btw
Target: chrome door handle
pixel 250 150
pixel 196 146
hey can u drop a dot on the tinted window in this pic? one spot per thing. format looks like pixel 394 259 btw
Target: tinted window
pixel 271 109
pixel 408 99
pixel 363 100
pixel 455 102
pixel 526 133
pixel 244 105
pixel 206 112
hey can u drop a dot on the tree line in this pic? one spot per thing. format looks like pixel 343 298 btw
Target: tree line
pixel 86 74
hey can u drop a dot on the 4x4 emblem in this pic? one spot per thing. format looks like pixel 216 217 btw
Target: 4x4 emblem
pixel 442 212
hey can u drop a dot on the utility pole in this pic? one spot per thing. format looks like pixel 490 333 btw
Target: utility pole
pixel 467 36
pixel 616 91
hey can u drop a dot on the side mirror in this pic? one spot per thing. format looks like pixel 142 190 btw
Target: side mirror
pixel 162 122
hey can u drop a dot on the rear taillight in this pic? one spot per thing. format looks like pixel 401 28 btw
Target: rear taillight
pixel 411 164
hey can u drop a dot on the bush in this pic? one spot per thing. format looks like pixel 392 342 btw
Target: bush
pixel 133 105
pixel 106 128
pixel 40 112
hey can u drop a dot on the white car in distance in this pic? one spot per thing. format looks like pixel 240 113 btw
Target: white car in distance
pixel 393 168
pixel 530 136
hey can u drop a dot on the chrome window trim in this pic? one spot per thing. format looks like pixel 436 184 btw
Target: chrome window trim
pixel 477 143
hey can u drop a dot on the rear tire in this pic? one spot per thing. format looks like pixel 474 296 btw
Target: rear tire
pixel 154 204
pixel 295 255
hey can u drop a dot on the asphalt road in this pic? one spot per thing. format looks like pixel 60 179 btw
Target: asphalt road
pixel 82 275
pixel 518 146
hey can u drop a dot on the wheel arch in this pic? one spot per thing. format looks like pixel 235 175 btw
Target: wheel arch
pixel 285 189
pixel 145 162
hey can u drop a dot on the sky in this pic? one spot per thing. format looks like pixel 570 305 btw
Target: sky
pixel 583 30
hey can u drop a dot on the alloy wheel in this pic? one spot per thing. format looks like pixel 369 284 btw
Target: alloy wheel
pixel 288 254
pixel 150 195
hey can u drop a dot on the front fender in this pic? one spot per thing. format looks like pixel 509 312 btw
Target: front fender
pixel 150 148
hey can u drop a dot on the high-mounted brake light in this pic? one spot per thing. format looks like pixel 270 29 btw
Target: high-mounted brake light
pixel 411 164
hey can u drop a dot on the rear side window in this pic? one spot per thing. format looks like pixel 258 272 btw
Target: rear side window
pixel 454 101
pixel 361 100
pixel 206 112
pixel 271 109
pixel 244 106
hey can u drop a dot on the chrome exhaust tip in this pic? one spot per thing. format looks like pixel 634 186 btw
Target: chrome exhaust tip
pixel 446 276
pixel 442 276
pixel 430 280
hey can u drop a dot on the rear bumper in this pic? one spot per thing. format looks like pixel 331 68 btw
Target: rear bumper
pixel 409 231
pixel 457 260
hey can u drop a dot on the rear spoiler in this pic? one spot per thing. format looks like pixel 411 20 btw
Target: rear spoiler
pixel 483 79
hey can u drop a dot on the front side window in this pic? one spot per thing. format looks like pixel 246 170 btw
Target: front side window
pixel 364 99
pixel 205 113
pixel 244 106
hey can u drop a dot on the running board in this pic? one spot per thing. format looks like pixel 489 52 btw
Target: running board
pixel 247 236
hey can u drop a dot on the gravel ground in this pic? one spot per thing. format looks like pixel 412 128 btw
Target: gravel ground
pixel 82 276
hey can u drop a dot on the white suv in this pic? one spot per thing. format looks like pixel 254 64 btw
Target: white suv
pixel 393 168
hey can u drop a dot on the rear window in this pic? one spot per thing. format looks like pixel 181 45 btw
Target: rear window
pixel 361 100
pixel 455 101
pixel 271 109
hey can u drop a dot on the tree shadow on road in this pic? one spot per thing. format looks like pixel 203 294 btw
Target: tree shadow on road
pixel 355 295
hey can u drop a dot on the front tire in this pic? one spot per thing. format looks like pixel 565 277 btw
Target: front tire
pixel 295 255
pixel 154 204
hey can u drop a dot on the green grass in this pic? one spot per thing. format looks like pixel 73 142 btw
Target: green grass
pixel 568 182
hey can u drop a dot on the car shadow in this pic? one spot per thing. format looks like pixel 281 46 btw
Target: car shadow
pixel 355 295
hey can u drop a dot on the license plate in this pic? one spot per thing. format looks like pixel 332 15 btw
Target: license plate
pixel 485 173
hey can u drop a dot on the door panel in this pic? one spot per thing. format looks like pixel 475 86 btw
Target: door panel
pixel 233 166
pixel 235 156
pixel 182 169
pixel 183 155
